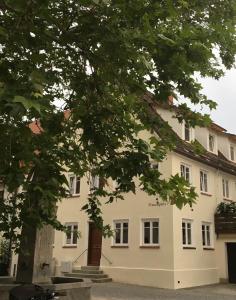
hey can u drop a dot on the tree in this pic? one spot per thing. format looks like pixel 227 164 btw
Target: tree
pixel 97 58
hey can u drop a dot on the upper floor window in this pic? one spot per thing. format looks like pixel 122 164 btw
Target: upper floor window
pixel 150 234
pixel 94 182
pixel 232 152
pixel 203 181
pixel 71 233
pixel 206 234
pixel 185 172
pixel 74 184
pixel 187 132
pixel 121 232
pixel 225 186
pixel 187 232
pixel 211 142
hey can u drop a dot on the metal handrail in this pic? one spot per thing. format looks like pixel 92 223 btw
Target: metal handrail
pixel 110 262
pixel 74 261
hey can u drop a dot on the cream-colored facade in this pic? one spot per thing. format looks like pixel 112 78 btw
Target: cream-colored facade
pixel 164 245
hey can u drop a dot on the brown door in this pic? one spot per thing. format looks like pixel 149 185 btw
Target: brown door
pixel 94 245
pixel 231 251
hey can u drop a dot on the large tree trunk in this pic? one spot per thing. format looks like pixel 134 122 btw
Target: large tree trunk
pixel 35 257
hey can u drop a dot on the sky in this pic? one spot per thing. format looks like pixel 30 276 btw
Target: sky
pixel 223 92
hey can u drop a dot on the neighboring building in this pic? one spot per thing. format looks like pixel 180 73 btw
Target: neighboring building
pixel 157 244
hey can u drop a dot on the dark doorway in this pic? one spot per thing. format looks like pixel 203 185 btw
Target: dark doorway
pixel 231 251
pixel 94 245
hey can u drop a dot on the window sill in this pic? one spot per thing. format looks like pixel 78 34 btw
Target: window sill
pixel 228 199
pixel 69 246
pixel 73 196
pixel 208 248
pixel 206 194
pixel 150 247
pixel 119 246
pixel 189 247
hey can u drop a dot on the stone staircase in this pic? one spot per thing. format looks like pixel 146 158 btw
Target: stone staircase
pixel 90 272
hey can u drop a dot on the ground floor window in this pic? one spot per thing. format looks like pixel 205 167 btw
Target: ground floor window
pixel 206 234
pixel 71 234
pixel 187 232
pixel 121 232
pixel 150 232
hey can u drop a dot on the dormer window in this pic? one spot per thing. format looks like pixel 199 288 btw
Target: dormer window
pixel 232 152
pixel 211 142
pixel 187 132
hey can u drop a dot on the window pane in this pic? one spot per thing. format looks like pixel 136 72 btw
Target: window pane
pixel 146 235
pixel 147 224
pixel 68 235
pixel 203 236
pixel 189 235
pixel 155 224
pixel 77 185
pixel 118 236
pixel 125 236
pixel 155 235
pixel 75 233
pixel 118 225
pixel 208 235
pixel 125 225
pixel 184 233
pixel 71 182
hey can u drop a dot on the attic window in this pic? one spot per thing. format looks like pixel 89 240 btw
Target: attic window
pixel 187 135
pixel 211 142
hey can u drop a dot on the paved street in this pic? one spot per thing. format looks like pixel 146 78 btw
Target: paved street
pixel 117 291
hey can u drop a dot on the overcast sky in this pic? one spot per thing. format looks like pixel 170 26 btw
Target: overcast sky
pixel 223 91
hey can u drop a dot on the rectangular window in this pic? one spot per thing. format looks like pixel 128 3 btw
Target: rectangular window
pixel 94 182
pixel 185 172
pixel 121 232
pixel 203 181
pixel 225 186
pixel 232 153
pixel 187 132
pixel 74 184
pixel 187 232
pixel 211 142
pixel 206 234
pixel 150 235
pixel 71 233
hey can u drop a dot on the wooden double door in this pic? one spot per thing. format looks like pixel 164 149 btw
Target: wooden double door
pixel 94 245
pixel 231 253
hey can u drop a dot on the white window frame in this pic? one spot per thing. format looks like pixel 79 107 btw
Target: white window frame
pixel 151 221
pixel 232 153
pixel 94 182
pixel 184 175
pixel 73 188
pixel 187 242
pixel 225 188
pixel 73 225
pixel 214 142
pixel 204 183
pixel 121 222
pixel 191 133
pixel 207 234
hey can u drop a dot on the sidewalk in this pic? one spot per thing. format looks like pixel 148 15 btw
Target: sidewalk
pixel 118 291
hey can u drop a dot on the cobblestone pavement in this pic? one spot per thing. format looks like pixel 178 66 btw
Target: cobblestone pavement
pixel 118 291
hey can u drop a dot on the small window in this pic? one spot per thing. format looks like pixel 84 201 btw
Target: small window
pixel 71 234
pixel 225 186
pixel 185 172
pixel 206 235
pixel 150 234
pixel 121 232
pixel 187 132
pixel 232 153
pixel 74 184
pixel 187 232
pixel 203 181
pixel 94 182
pixel 211 142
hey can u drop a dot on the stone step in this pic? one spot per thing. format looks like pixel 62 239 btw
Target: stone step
pixel 87 271
pixel 90 268
pixel 101 280
pixel 84 275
